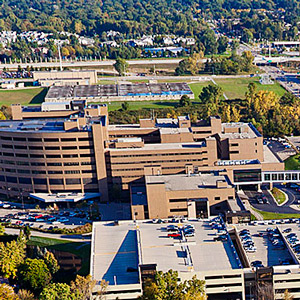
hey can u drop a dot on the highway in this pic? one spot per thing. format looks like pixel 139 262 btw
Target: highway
pixel 89 63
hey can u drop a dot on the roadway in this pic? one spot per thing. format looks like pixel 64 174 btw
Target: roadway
pixel 73 237
pixel 272 206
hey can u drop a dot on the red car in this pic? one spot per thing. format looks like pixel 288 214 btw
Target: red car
pixel 174 234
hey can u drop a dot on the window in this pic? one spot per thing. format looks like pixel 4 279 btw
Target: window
pixel 10 170
pixel 217 198
pixel 69 147
pixel 35 148
pixel 21 155
pixel 58 181
pixel 55 172
pixel 36 156
pixel 37 164
pixel 39 181
pixel 72 172
pixel 23 171
pixel 7 146
pixel 87 155
pixel 34 140
pixel 8 154
pixel 234 152
pixel 247 175
pixel 19 139
pixel 22 163
pixel 73 181
pixel 11 179
pixel 87 163
pixel 234 145
pixel 21 147
pixel 88 171
pixel 38 172
pixel 86 147
pixel 177 200
pixel 53 156
pixel 82 139
pixel 178 210
pixel 71 164
pixel 70 155
pixel 6 138
pixel 24 180
pixel 51 140
pixel 54 164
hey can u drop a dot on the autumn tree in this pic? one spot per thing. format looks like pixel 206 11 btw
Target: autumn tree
pixel 51 262
pixel 25 295
pixel 57 291
pixel 287 295
pixel 248 59
pixel 7 292
pixel 121 66
pixel 167 287
pixel 11 256
pixel 83 287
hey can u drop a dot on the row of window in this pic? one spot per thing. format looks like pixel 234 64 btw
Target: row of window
pixel 159 161
pixel 43 181
pixel 21 147
pixel 25 171
pixel 159 154
pixel 75 155
pixel 54 140
pixel 49 164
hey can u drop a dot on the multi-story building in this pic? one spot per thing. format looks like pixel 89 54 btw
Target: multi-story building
pixel 72 148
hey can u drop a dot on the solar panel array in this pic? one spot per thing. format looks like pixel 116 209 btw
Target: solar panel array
pixel 122 90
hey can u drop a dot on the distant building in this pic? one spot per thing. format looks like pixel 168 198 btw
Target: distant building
pixel 63 78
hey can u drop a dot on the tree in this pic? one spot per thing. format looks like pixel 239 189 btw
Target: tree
pixel 34 274
pixel 25 295
pixel 57 291
pixel 211 94
pixel 248 59
pixel 184 101
pixel 83 287
pixel 288 99
pixel 222 44
pixel 2 229
pixel 11 256
pixel 125 106
pixel 121 66
pixel 166 287
pixel 51 262
pixel 287 295
pixel 191 65
pixel 27 232
pixel 7 292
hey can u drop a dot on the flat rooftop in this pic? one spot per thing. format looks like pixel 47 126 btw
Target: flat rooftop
pixel 266 252
pixel 180 182
pixel 115 250
pixel 269 156
pixel 164 146
pixel 118 90
pixel 244 131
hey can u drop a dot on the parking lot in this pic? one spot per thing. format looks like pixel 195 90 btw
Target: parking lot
pixel 280 147
pixel 43 220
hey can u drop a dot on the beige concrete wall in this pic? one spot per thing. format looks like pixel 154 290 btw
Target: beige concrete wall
pixel 157 205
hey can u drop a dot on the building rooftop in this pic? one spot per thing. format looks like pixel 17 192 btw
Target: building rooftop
pixel 180 182
pixel 170 130
pixel 115 249
pixel 163 146
pixel 269 156
pixel 240 130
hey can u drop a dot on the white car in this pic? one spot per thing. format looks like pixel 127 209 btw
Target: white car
pixel 6 205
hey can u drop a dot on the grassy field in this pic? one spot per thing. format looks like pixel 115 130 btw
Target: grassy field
pixel 278 195
pixel 81 249
pixel 236 87
pixel 276 216
pixel 25 97
pixel 292 163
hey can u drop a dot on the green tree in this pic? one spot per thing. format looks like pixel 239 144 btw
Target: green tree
pixel 51 262
pixel 248 59
pixel 2 229
pixel 211 94
pixel 184 101
pixel 121 66
pixel 27 232
pixel 166 287
pixel 57 291
pixel 34 274
pixel 125 106
pixel 222 44
pixel 11 256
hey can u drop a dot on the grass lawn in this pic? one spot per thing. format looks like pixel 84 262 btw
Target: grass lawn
pixel 25 97
pixel 278 195
pixel 292 163
pixel 275 216
pixel 197 87
pixel 237 87
pixel 81 249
